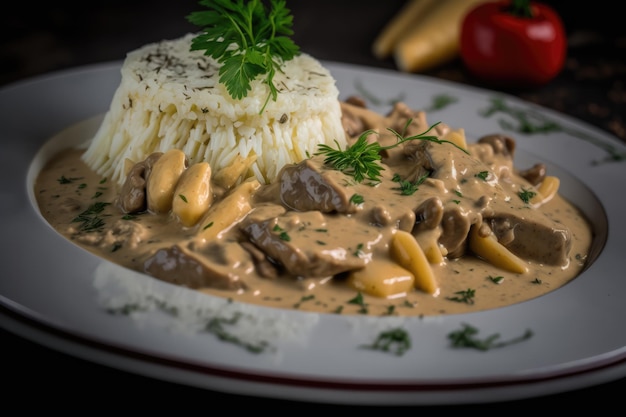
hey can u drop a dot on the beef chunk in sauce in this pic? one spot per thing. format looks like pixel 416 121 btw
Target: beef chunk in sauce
pixel 311 244
pixel 221 266
pixel 306 186
pixel 542 241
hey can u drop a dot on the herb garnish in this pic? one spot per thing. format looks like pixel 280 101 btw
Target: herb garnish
pixel 283 235
pixel 465 338
pixel 526 195
pixel 440 101
pixel 408 187
pixel 90 219
pixel 357 199
pixel 372 98
pixel 303 299
pixel 496 280
pixel 466 296
pixel 247 39
pixel 217 327
pixel 531 122
pixel 396 341
pixel 358 300
pixel 362 159
pixel 64 180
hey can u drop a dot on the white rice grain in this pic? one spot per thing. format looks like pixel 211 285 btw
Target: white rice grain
pixel 170 97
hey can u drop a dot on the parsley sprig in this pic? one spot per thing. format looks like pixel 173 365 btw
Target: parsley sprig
pixel 362 159
pixel 247 39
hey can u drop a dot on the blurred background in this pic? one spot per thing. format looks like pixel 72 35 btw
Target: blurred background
pixel 56 35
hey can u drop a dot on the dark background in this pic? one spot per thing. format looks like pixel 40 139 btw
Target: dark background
pixel 43 37
pixel 59 34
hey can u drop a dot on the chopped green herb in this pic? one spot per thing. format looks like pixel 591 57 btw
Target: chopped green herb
pixel 465 338
pixel 283 235
pixel 531 122
pixel 207 226
pixel 408 187
pixel 390 310
pixel 357 199
pixel 358 300
pixel 372 98
pixel 64 180
pixel 182 197
pixel 440 101
pixel 396 341
pixel 526 195
pixel 90 219
pixel 359 250
pixel 303 299
pixel 466 296
pixel 217 326
pixel 496 280
pixel 483 175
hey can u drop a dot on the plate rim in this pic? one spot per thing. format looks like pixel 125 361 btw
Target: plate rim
pixel 617 360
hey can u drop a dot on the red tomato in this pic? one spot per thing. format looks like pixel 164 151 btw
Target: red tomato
pixel 513 43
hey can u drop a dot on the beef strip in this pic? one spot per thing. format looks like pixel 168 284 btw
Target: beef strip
pixel 220 266
pixel 544 242
pixel 310 244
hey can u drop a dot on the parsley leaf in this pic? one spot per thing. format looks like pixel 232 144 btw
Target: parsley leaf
pixel 362 159
pixel 247 39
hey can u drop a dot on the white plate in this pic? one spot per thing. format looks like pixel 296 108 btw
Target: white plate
pixel 52 294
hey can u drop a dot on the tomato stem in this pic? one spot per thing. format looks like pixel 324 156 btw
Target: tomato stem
pixel 520 8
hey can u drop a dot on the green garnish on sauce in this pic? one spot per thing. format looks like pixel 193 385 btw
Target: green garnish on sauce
pixel 362 159
pixel 248 40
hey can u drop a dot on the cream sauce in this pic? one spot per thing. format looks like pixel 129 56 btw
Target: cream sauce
pixel 66 187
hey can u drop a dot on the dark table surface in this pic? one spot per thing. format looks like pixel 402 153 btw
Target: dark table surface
pixel 38 39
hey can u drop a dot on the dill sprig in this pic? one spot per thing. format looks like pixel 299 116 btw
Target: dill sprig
pixel 362 159
pixel 247 39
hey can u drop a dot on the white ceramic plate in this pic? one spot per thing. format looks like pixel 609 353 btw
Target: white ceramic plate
pixel 56 293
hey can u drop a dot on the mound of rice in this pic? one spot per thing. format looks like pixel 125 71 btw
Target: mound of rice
pixel 170 97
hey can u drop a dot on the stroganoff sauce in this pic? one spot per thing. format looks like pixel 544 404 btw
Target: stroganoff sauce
pixel 82 206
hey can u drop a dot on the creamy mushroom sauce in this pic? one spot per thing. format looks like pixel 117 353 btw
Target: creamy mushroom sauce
pixel 160 246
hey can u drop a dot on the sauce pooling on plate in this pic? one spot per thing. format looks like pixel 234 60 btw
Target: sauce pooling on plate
pixel 432 225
